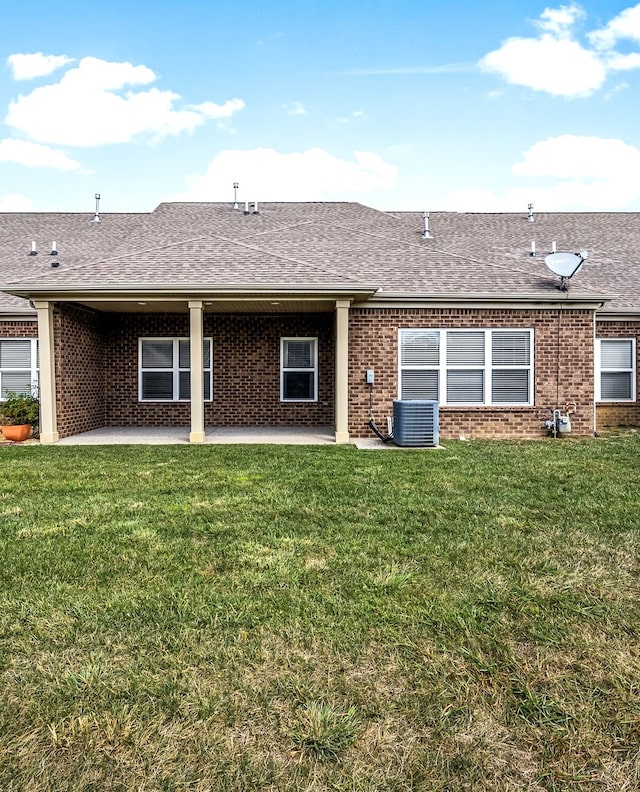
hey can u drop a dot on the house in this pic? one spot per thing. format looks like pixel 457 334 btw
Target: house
pixel 276 314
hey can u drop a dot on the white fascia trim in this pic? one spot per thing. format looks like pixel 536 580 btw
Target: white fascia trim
pixel 16 316
pixel 626 315
pixel 136 291
pixel 524 303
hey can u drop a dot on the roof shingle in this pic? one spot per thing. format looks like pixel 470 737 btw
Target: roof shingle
pixel 321 245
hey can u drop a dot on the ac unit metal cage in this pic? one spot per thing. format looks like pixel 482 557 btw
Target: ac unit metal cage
pixel 415 422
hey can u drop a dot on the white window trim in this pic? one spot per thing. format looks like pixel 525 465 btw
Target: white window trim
pixel 632 371
pixel 283 370
pixel 33 368
pixel 175 369
pixel 487 368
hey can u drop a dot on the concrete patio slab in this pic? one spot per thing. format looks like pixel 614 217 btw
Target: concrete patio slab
pixel 145 435
pixel 374 444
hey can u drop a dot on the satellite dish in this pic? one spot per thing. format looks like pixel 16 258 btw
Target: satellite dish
pixel 565 265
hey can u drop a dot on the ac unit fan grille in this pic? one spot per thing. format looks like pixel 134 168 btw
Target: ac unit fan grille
pixel 415 422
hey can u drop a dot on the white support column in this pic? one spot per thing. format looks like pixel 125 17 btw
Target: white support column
pixel 197 381
pixel 342 372
pixel 48 425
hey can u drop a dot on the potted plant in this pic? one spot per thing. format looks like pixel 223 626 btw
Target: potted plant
pixel 19 413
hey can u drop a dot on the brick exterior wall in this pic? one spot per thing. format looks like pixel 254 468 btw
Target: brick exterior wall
pixel 80 369
pixel 246 370
pixel 563 357
pixel 620 413
pixel 97 369
pixel 19 328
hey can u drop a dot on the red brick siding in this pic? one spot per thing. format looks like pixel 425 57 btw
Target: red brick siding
pixel 18 328
pixel 620 413
pixel 246 370
pixel 563 344
pixel 97 369
pixel 80 372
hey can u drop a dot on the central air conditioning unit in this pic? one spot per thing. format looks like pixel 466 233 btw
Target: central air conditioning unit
pixel 415 422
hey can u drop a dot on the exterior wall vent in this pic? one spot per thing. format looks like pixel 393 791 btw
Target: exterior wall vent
pixel 415 422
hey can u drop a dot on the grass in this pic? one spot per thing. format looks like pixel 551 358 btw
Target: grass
pixel 279 618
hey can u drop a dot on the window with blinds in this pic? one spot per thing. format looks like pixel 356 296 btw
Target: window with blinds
pixel 298 369
pixel 165 369
pixel 467 366
pixel 19 366
pixel 616 360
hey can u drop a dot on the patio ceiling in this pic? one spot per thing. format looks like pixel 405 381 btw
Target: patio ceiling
pixel 215 305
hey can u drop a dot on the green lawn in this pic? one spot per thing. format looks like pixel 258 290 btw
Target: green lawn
pixel 279 618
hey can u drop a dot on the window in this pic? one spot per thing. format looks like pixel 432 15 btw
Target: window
pixel 165 373
pixel 19 365
pixel 298 369
pixel 467 366
pixel 615 362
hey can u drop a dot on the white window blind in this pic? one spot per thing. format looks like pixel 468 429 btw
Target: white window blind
pixel 617 375
pixel 299 369
pixel 465 348
pixel 420 384
pixel 511 366
pixel 19 362
pixel 466 366
pixel 165 373
pixel 420 348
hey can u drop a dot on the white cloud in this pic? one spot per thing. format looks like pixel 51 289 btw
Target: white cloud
pixel 14 202
pixel 585 173
pixel 212 110
pixel 560 67
pixel 295 109
pixel 559 21
pixel 556 63
pixel 580 156
pixel 619 62
pixel 93 104
pixel 36 64
pixel 35 155
pixel 268 175
pixel 624 26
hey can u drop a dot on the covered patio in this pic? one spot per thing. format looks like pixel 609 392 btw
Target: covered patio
pixel 89 369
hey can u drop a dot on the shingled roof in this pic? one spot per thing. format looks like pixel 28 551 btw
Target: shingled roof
pixel 330 246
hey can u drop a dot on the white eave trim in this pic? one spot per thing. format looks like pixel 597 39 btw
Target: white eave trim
pixel 524 301
pixel 18 316
pixel 206 291
pixel 619 315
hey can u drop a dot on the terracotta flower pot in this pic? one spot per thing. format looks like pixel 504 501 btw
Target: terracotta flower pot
pixel 16 433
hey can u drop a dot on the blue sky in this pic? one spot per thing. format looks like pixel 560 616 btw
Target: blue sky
pixel 400 105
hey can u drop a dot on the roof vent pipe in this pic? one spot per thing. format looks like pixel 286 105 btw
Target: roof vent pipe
pixel 553 247
pixel 34 248
pixel 96 217
pixel 531 218
pixel 246 208
pixel 235 195
pixel 533 248
pixel 255 207
pixel 425 233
